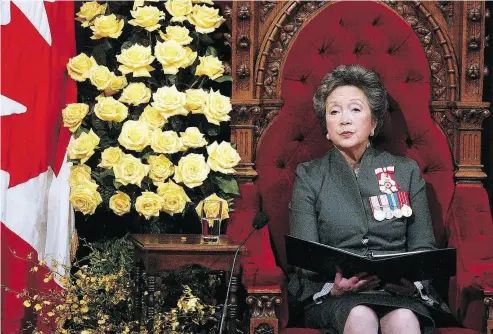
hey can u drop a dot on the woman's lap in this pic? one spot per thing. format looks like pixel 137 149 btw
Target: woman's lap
pixel 333 312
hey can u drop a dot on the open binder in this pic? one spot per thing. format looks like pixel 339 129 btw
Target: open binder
pixel 413 266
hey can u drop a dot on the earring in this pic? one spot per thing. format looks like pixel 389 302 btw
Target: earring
pixel 328 137
pixel 372 133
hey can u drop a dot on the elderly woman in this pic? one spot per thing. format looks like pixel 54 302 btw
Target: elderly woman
pixel 361 200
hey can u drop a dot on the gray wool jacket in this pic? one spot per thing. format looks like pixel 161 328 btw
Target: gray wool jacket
pixel 331 205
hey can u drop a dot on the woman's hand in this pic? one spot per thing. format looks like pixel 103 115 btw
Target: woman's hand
pixel 359 282
pixel 407 288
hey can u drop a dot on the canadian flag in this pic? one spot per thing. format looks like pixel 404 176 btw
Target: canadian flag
pixel 38 38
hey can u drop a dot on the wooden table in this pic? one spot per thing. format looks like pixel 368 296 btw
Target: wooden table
pixel 157 252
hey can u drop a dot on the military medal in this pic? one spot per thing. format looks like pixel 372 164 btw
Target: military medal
pixel 406 206
pixel 395 205
pixel 386 181
pixel 378 213
pixel 386 207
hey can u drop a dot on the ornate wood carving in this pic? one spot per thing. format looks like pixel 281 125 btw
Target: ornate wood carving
pixel 265 120
pixel 447 8
pixel 244 42
pixel 264 329
pixel 435 42
pixel 447 123
pixel 468 142
pixel 263 314
pixel 244 12
pixel 263 306
pixel 473 72
pixel 471 118
pixel 292 19
pixel 472 31
pixel 265 9
pixel 473 42
pixel 243 47
pixel 243 133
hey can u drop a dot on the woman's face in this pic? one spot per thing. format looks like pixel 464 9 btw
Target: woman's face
pixel 349 118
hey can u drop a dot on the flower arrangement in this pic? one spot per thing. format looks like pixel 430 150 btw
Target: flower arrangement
pixel 97 296
pixel 152 101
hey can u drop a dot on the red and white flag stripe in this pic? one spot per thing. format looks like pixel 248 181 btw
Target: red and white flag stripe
pixel 38 39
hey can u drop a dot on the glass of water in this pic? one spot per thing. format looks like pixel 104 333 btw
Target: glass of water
pixel 211 220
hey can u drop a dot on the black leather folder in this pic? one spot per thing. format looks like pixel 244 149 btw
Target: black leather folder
pixel 414 266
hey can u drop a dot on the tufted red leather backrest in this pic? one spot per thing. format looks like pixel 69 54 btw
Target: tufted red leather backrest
pixel 372 35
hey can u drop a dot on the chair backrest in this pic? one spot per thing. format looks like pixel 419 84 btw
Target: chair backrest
pixel 372 35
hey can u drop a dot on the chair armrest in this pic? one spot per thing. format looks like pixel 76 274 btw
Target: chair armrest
pixel 470 231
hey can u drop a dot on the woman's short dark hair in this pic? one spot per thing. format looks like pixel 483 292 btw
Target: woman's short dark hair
pixel 357 76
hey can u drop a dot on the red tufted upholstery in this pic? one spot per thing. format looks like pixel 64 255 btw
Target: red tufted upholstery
pixel 372 35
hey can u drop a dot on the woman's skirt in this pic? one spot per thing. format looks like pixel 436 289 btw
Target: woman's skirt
pixel 333 312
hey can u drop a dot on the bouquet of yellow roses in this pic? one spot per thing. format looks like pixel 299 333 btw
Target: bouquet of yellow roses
pixel 153 104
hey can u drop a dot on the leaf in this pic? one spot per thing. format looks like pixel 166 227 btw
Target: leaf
pixel 79 131
pixel 224 78
pixel 176 123
pixel 211 51
pixel 117 184
pixel 227 184
pixel 213 130
pixel 206 39
pixel 172 79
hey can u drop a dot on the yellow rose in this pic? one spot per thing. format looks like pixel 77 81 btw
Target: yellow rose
pixel 107 26
pixel 110 157
pixel 209 2
pixel 177 34
pixel 196 100
pixel 218 108
pixel 130 170
pixel 73 114
pixel 88 10
pixel 135 135
pixel 192 137
pixel 100 76
pixel 148 204
pixel 169 101
pixel 79 174
pixel 85 197
pixel 83 147
pixel 174 197
pixel 210 66
pixel 166 142
pixel 116 83
pixel 192 170
pixel 109 109
pixel 78 67
pixel 147 17
pixel 179 9
pixel 120 203
pixel 222 157
pixel 153 118
pixel 173 56
pixel 212 207
pixel 161 168
pixel 135 93
pixel 205 19
pixel 137 60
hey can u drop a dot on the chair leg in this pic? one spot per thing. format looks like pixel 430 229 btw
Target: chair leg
pixel 488 302
pixel 263 317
